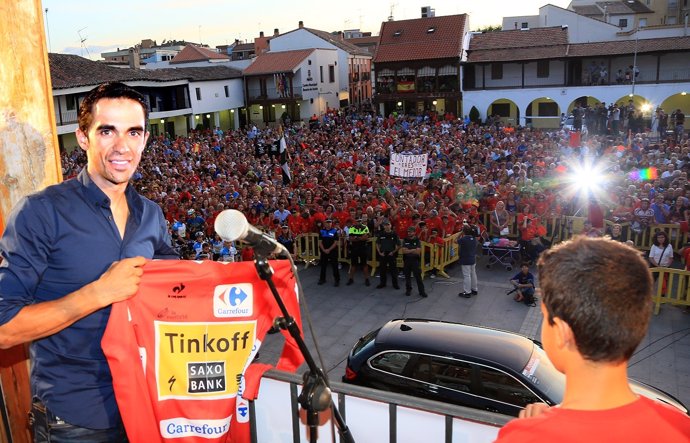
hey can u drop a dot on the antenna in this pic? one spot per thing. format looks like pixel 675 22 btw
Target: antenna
pixel 390 17
pixel 81 41
pixel 48 29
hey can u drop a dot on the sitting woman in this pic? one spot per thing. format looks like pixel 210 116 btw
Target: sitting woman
pixel 500 221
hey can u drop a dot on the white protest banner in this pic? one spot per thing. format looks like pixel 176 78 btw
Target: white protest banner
pixel 408 165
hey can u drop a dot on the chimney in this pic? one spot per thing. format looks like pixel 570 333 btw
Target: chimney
pixel 133 58
pixel 301 24
pixel 341 35
pixel 261 34
pixel 276 32
pixel 237 41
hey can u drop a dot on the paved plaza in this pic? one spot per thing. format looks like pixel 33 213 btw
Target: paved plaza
pixel 340 315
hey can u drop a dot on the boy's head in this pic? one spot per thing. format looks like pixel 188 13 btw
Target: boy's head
pixel 602 290
pixel 524 268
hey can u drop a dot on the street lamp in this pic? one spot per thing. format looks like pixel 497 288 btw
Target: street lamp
pixel 633 74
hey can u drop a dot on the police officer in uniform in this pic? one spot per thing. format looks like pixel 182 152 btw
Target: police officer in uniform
pixel 328 243
pixel 358 236
pixel 387 246
pixel 411 250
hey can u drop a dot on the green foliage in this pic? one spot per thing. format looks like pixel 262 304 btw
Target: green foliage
pixel 491 28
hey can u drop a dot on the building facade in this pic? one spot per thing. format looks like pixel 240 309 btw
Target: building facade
pixel 417 65
pixel 295 84
pixel 353 63
pixel 531 77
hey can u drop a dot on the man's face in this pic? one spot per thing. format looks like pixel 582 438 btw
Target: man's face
pixel 114 141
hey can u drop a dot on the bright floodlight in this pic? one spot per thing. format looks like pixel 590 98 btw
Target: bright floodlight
pixel 587 178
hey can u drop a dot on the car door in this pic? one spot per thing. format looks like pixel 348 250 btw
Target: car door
pixel 442 379
pixel 498 391
pixel 388 371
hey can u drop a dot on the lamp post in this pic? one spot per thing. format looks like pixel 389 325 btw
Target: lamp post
pixel 633 74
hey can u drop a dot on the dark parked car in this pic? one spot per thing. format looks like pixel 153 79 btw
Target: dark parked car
pixel 471 366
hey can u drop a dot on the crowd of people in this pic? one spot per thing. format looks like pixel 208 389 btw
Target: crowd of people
pixel 339 171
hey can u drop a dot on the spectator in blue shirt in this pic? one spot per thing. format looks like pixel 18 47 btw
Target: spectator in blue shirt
pixel 523 282
pixel 69 252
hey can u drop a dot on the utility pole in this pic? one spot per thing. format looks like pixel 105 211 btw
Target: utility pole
pixel 48 32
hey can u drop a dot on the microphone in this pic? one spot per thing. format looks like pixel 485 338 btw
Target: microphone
pixel 232 225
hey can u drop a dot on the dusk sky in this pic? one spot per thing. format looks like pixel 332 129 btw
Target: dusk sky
pixel 106 26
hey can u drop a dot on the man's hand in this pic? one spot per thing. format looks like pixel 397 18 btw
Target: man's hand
pixel 534 410
pixel 120 281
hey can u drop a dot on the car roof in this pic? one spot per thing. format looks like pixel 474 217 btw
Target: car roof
pixel 456 340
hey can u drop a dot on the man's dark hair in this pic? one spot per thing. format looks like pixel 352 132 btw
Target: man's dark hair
pixel 602 289
pixel 108 90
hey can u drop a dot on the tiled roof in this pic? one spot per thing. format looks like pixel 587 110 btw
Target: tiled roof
pixel 192 53
pixel 244 47
pixel 273 62
pixel 373 40
pixel 639 7
pixel 511 53
pixel 519 38
pixel 199 74
pixel 411 40
pixel 517 54
pixel 628 46
pixel 623 7
pixel 588 10
pixel 337 42
pixel 72 71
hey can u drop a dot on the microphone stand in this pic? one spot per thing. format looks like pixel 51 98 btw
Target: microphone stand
pixel 316 393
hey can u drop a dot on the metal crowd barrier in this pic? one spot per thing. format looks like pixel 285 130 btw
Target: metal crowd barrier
pixel 307 248
pixel 671 287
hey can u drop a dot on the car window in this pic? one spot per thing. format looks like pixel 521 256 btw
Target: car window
pixel 444 372
pixel 361 344
pixel 391 362
pixel 500 386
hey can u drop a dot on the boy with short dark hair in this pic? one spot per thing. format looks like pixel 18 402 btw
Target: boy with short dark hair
pixel 596 303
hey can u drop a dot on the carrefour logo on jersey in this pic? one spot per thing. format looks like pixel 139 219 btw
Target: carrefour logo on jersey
pixel 233 300
pixel 184 427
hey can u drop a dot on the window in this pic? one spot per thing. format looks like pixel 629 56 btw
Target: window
pixel 71 102
pixel 198 93
pixel 397 33
pixel 622 22
pixel 502 387
pixel 430 30
pixel 496 71
pixel 309 62
pixel 393 362
pixel 331 74
pixel 548 109
pixel 450 374
pixel 524 25
pixel 542 68
pixel 500 109
pixel 643 22
pixel 321 73
pixel 227 91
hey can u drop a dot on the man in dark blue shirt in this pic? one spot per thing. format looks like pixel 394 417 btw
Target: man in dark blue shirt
pixel 328 244
pixel 468 261
pixel 524 285
pixel 69 252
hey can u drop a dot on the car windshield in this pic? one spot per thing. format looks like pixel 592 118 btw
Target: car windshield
pixel 542 374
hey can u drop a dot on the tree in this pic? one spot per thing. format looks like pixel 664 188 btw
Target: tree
pixel 491 28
